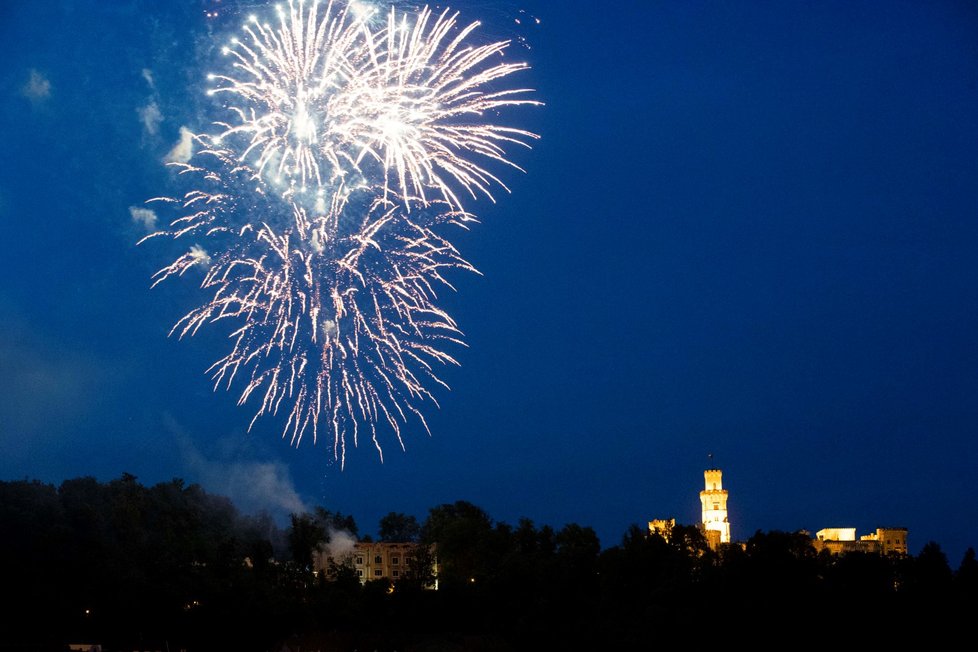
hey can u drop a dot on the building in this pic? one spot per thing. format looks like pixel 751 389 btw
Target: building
pixel 885 541
pixel 662 527
pixel 381 561
pixel 892 540
pixel 374 561
pixel 715 524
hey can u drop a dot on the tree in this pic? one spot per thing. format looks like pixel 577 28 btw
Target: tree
pixel 259 535
pixel 335 521
pixel 399 528
pixel 462 534
pixel 966 577
pixel 421 562
pixel 305 535
pixel 575 571
pixel 932 574
pixel 578 548
pixel 784 573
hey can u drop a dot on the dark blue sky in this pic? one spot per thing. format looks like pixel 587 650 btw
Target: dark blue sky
pixel 749 229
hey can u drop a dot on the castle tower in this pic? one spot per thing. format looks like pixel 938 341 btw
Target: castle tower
pixel 714 501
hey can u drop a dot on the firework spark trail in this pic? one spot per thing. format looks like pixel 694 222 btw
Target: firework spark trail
pixel 341 154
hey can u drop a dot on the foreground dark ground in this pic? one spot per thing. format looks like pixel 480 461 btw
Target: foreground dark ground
pixel 171 567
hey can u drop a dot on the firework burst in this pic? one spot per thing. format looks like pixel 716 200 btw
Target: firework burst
pixel 344 147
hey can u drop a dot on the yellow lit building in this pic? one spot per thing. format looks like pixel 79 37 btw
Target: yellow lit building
pixel 838 540
pixel 891 540
pixel 716 525
pixel 662 527
pixel 374 561
pixel 380 561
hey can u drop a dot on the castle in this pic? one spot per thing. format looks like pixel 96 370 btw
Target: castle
pixel 715 525
pixel 393 561
pixel 884 541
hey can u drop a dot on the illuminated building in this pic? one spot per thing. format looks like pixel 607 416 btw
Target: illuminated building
pixel 662 527
pixel 381 561
pixel 716 526
pixel 375 561
pixel 891 540
pixel 885 541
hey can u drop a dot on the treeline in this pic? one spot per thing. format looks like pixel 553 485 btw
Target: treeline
pixel 172 567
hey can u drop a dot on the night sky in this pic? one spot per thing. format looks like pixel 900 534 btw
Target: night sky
pixel 748 230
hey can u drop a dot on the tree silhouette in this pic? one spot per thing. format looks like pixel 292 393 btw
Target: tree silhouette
pixel 398 528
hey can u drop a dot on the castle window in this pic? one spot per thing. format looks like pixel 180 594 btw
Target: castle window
pixel 716 505
pixel 377 572
pixel 360 560
pixel 378 559
pixel 359 572
pixel 395 560
pixel 395 573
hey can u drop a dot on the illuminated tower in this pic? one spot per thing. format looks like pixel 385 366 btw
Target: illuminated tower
pixel 714 500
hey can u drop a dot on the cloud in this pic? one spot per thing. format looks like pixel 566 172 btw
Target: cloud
pixel 151 117
pixel 143 216
pixel 37 89
pixel 252 485
pixel 184 148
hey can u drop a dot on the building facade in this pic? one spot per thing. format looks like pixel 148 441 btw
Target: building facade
pixel 381 561
pixel 375 561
